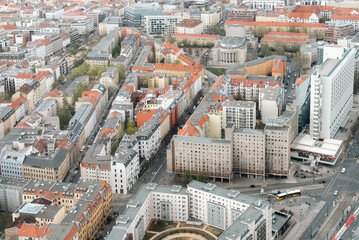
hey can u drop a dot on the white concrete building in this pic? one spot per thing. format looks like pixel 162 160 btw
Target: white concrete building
pixel 332 92
pixel 149 139
pixel 190 26
pixel 270 102
pixel 241 113
pixel 125 166
pixel 240 216
pixel 162 24
pixel 264 4
pixel 47 108
pixel 12 160
pixel 210 18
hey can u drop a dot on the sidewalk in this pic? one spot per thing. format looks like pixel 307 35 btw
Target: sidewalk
pixel 305 221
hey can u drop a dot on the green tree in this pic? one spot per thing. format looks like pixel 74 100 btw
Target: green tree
pixel 86 36
pixel 237 96
pixel 121 71
pixel 54 85
pixel 61 79
pixel 206 8
pixel 265 50
pixel 116 51
pixel 292 29
pixel 64 117
pixel 200 177
pixel 76 45
pixel 131 127
pixel 73 51
pixel 259 31
pixel 78 92
pixel 178 62
pixel 301 59
pixel 172 40
pixel 186 177
pixel 23 44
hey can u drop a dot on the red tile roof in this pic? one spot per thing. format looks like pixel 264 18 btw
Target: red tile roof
pixel 25 75
pixel 31 231
pixel 194 35
pixel 55 93
pixel 275 24
pixel 189 23
pixel 284 39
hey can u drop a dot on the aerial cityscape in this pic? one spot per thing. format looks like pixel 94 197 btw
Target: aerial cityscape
pixel 179 119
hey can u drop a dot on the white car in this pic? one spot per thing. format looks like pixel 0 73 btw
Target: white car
pixel 336 193
pixel 343 170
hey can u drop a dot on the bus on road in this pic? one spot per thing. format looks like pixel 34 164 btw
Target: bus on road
pixel 293 193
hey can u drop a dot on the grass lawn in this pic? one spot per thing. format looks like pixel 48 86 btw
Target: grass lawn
pixel 148 236
pixel 159 226
pixel 5 222
pixel 217 71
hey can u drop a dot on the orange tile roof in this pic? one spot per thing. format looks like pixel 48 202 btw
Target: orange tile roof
pixel 284 39
pixel 276 24
pixel 71 234
pixel 41 75
pixel 352 17
pixel 194 35
pixel 167 44
pixel 288 34
pixel 92 97
pixel 299 81
pixel 176 67
pixel 202 121
pixel 31 231
pixel 107 130
pixel 8 27
pixel 301 15
pixel 189 130
pixel 18 102
pixel 25 75
pixel 189 23
pixel 278 67
pixel 55 93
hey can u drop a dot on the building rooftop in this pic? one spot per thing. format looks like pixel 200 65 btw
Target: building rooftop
pixel 189 23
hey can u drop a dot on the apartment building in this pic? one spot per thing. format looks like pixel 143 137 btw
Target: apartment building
pixel 331 97
pixel 96 165
pixel 12 161
pixel 162 24
pixel 265 5
pixel 52 168
pixel 198 39
pixel 211 17
pixel 191 26
pixel 212 157
pixel 279 134
pixel 271 100
pixel 125 165
pixel 101 54
pixel 110 77
pixel 248 150
pixel 239 215
pixel 336 30
pixel 241 113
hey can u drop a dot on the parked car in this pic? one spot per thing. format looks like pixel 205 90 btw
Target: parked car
pixel 252 186
pixel 343 170
pixel 322 181
pixel 336 193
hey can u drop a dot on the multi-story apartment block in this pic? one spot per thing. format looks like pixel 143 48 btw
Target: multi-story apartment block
pixel 248 150
pixel 240 216
pixel 279 134
pixel 125 166
pixel 271 100
pixel 163 24
pixel 12 161
pixel 52 168
pixel 212 157
pixel 241 113
pixel 190 26
pixel 336 30
pixel 96 165
pixel 331 97
pixel 266 5
pixel 211 17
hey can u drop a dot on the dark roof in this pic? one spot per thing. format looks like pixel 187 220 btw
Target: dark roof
pixel 41 162
pixel 42 200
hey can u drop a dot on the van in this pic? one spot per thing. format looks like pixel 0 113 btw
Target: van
pixel 343 170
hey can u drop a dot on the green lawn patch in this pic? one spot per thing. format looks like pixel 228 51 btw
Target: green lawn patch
pixel 217 71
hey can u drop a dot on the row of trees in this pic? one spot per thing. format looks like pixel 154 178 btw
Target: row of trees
pixel 85 69
pixel 187 177
pixel 260 31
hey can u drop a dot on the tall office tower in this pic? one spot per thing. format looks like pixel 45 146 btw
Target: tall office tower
pixel 331 91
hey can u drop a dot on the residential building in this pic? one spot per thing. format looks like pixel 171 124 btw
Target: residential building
pixel 12 161
pixel 162 24
pixel 241 113
pixel 211 17
pixel 331 92
pixel 279 134
pixel 336 30
pixel 237 214
pixel 285 39
pixel 248 150
pixel 190 26
pixel 101 54
pixel 196 39
pixel 110 77
pixel 313 29
pixel 96 165
pixel 47 108
pixel 262 4
pixel 239 14
pixel 52 168
pixel 212 157
pixel 271 101
pixel 11 193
